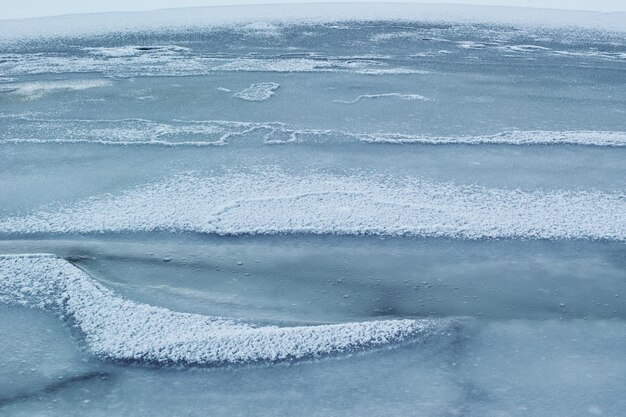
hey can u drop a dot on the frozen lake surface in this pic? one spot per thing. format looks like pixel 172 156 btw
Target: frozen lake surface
pixel 329 218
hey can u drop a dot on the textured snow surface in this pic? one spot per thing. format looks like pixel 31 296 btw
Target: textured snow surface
pixel 442 187
pixel 173 61
pixel 532 137
pixel 23 129
pixel 262 18
pixel 271 201
pixel 121 329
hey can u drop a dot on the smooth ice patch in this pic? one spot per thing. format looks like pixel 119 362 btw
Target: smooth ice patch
pixel 38 355
pixel 545 368
pixel 271 201
pixel 120 329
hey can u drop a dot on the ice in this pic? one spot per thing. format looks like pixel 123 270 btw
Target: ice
pixel 276 210
pixel 38 355
pixel 581 359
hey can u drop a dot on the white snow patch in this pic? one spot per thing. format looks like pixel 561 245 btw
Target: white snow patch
pixel 470 45
pixel 258 92
pixel 271 201
pixel 523 48
pixel 390 71
pixel 399 96
pixel 33 90
pixel 515 137
pixel 137 50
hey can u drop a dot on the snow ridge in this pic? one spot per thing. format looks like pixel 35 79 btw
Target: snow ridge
pixel 25 129
pixel 268 200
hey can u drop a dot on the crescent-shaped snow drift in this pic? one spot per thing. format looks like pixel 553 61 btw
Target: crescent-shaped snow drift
pixel 120 329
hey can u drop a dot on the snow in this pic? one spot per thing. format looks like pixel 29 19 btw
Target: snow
pixel 36 89
pixel 258 92
pixel 28 129
pixel 399 96
pixel 276 202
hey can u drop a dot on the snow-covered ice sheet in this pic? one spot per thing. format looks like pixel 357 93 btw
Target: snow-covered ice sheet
pixel 277 210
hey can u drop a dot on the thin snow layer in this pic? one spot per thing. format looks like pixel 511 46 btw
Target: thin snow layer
pixel 260 17
pixel 36 89
pixel 130 131
pixel 514 137
pixel 258 92
pixel 137 51
pixel 173 61
pixel 28 129
pixel 271 201
pixel 399 96
pixel 120 329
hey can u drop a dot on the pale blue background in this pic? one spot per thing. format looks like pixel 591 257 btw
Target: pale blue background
pixel 34 8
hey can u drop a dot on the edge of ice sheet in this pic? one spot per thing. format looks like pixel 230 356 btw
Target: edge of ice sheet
pixel 23 129
pixel 268 200
pixel 120 329
pixel 172 19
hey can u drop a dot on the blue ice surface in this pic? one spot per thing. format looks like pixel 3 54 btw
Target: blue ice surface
pixel 479 113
